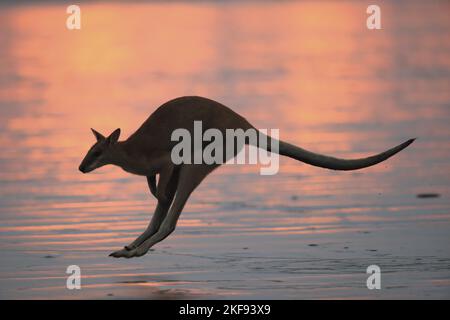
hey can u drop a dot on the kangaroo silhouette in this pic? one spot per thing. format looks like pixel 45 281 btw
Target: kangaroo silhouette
pixel 147 152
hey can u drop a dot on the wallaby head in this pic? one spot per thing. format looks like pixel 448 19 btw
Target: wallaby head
pixel 101 153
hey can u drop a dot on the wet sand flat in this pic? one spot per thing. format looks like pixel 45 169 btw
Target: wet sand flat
pixel 329 85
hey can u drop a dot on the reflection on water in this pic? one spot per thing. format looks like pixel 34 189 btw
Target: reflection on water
pixel 310 69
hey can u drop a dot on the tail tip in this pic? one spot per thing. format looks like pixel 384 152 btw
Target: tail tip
pixel 407 143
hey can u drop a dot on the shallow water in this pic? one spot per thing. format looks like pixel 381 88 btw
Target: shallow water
pixel 310 69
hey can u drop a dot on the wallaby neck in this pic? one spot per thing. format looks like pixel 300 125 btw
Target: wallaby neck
pixel 118 154
pixel 122 155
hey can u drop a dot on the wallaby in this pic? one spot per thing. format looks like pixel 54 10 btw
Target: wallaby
pixel 147 152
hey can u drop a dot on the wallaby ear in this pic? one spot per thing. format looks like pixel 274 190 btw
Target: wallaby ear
pixel 114 137
pixel 97 135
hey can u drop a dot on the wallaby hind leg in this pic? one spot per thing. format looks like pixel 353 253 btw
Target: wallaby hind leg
pixel 189 178
pixel 158 217
pixel 164 193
